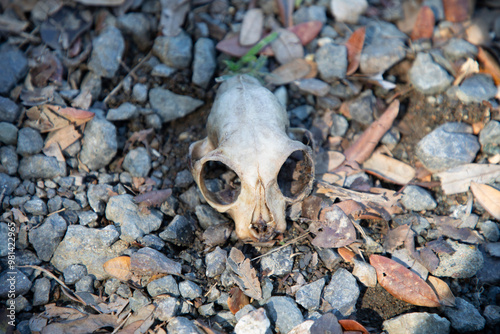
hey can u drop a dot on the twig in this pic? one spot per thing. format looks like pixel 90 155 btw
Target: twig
pixel 60 210
pixel 302 236
pixel 121 324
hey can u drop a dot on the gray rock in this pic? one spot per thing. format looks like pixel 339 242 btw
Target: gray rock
pixel 140 92
pixel 207 310
pixel 278 263
pixel 124 291
pixel 152 241
pixel 183 179
pixel 163 71
pixel 329 256
pixel 332 62
pixel 107 52
pixel 365 273
pixel 14 66
pixel 8 133
pixel 174 51
pixel 190 290
pixel 171 106
pixel 361 109
pixel 244 311
pixel 29 141
pixel 138 300
pixel 137 162
pixel 342 293
pixel 139 26
pixel 417 199
pixel 381 55
pixel 345 89
pixel 447 146
pixel 427 76
pixel 255 322
pixel 181 325
pixel 464 317
pixel 309 295
pixel 167 308
pixel 490 230
pixel 8 160
pixel 41 292
pixel 490 134
pixel 90 247
pixel 417 323
pixel 159 263
pixel 457 48
pixel 4 236
pixel 133 222
pixel 477 88
pixel 86 217
pixel 204 63
pixel 41 167
pixel 35 206
pixel 313 86
pixel 92 82
pixel 73 273
pixel 216 262
pixel 99 143
pixel 309 13
pixel 391 138
pixel 9 110
pixel 348 11
pixel 46 238
pixel 98 196
pixel 8 183
pixel 85 284
pixel 492 315
pixel 302 112
pixel 463 263
pixel 111 286
pixel 124 112
pixel 180 231
pixel 339 126
pixel 163 285
pixel 17 278
pixel 283 313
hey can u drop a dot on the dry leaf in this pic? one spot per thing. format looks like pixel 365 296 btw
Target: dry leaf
pixel 346 254
pixel 306 31
pixel 456 10
pixel 457 179
pixel 424 25
pixel 64 137
pixel 294 70
pixel 488 197
pixel 464 234
pixel 88 324
pixel 396 237
pixel 153 198
pixel 237 300
pixel 119 267
pixel 334 230
pixel 352 325
pixel 19 216
pixel 440 246
pixel 489 65
pixel 354 47
pixel 442 290
pixel 403 283
pixel 287 47
pixel 53 150
pixel 73 115
pixel 311 206
pixel 389 169
pixel 252 26
pixel 131 328
pixel 245 275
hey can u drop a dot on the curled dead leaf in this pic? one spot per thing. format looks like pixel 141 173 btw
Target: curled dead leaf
pixel 251 28
pixel 352 325
pixel 237 300
pixel 354 47
pixel 119 268
pixel 442 290
pixel 488 197
pixel 245 275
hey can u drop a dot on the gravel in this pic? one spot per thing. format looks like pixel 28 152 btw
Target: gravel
pixel 180 231
pixel 309 295
pixel 464 317
pixel 9 110
pixel 255 322
pixel 190 290
pixel 167 308
pixel 381 55
pixel 174 51
pixel 348 11
pixel 339 127
pixel 457 48
pixel 416 198
pixel 477 88
pixel 181 325
pixel 361 108
pixel 427 76
pixel 107 52
pixel 171 106
pixel 365 273
pixel 99 143
pixel 137 162
pixel 124 112
pixel 463 263
pixel 137 25
pixel 29 142
pixel 14 66
pixel 47 236
pixel 74 273
pixel 204 63
pixel 278 263
pixel 417 322
pixel 8 160
pixel 342 293
pixel 283 313
pixel 216 262
pixel 8 133
pixel 332 62
pixel 21 282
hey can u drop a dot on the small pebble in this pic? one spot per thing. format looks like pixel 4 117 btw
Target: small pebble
pixel 166 284
pixel 204 63
pixel 464 317
pixel 255 322
pixel 124 112
pixel 490 230
pixel 190 290
pixel 342 293
pixel 73 273
pixel 140 92
pixel 180 231
pixel 181 325
pixel 477 88
pixel 380 55
pixel 309 295
pixel 216 262
pixel 9 110
pixel 14 66
pixel 167 308
pixel 85 284
pixel 332 62
pixel 365 273
pixel 137 162
pixel 278 263
pixel 313 86
pixel 463 263
pixel 45 238
pixel 348 11
pixel 283 313
pixel 171 106
pixel 29 142
pixel 8 133
pixel 427 76
pixel 107 52
pixel 174 51
pixel 41 294
pixel 99 143
pixel 417 322
pixel 339 127
pixel 457 48
pixel 416 198
pixel 139 26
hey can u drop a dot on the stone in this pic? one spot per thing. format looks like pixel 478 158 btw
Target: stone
pixel 8 160
pixel 167 307
pixel 490 230
pixel 464 317
pixel 216 262
pixel 137 162
pixel 427 76
pixel 181 325
pixel 361 108
pixel 365 273
pixel 204 63
pixel 183 179
pixel 90 247
pixel 134 222
pixel 278 263
pixel 339 126
pixel 449 145
pixel 73 273
pixel 85 284
pixel 457 48
pixel 85 217
pixel 283 313
pixel 163 71
pixel 180 231
pixel 332 62
pixel 310 13
pixel 140 92
pixel 380 55
pixel 39 166
pixel 308 296
pixel 41 292
pixel 107 52
pixel 313 86
pixel 99 143
pixel 8 183
pixel 4 236
pixel 152 241
pixel 244 311
pixel 9 110
pixel 207 310
pixel 163 285
pixel 124 112
pixel 138 300
pixel 255 322
pixel 171 106
pixel 477 88
pixel 47 236
pixel 137 25
pixel 16 277
pixel 416 198
pixel 98 196
pixel 348 11
pixel 329 256
pixel 8 133
pixel 342 293
pixel 29 141
pixel 490 134
pixel 14 66
pixel 463 263
pixel 417 323
pixel 174 51
pixel 492 315
pixel 190 290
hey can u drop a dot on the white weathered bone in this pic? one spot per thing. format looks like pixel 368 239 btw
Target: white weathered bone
pixel 247 131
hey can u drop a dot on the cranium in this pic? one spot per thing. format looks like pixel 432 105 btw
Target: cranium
pixel 261 169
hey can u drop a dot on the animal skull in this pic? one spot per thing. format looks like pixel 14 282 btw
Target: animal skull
pixel 260 167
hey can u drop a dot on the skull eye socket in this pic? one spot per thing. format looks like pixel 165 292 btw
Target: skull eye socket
pixel 296 175
pixel 219 183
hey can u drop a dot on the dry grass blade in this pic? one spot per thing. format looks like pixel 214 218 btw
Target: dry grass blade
pixel 488 197
pixel 424 25
pixel 458 179
pixel 442 290
pixel 354 47
pixel 389 168
pixel 245 275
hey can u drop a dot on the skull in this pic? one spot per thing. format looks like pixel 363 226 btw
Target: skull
pixel 249 166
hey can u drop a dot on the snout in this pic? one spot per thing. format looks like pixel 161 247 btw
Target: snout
pixel 262 231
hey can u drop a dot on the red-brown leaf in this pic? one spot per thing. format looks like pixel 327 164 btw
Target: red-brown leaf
pixel 489 65
pixel 424 25
pixel 237 300
pixel 285 8
pixel 442 290
pixel 352 325
pixel 354 47
pixel 402 283
pixel 307 31
pixel 456 10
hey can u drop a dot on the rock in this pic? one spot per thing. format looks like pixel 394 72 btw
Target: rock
pixel 29 142
pixel 361 108
pixel 490 230
pixel 163 71
pixel 98 196
pixel 207 310
pixel 329 256
pixel 133 222
pixel 204 63
pixel 302 112
pixel 464 317
pixel 492 315
pixel 457 48
pixel 310 13
pixel 339 126
pixel 179 231
pixel 107 52
pixel 99 143
pixel 490 272
pixel 74 273
pixel 4 236
pixel 165 284
pixel 8 160
pixel 342 293
pixel 417 323
pixel 314 86
pixel 449 145
pixel 124 112
pixel 332 62
pixel 348 11
pixel 255 322
pixel 417 199
pixel 89 247
pixel 183 179
pixel 137 162
pixel 309 295
pixel 463 263
pixel 181 325
pixel 41 167
pixel 35 206
pixel 9 110
pixel 85 217
pixel 365 273
pixel 278 263
pixel 380 55
pixel 137 25
pixel 14 66
pixel 190 290
pixel 283 313
pixel 216 262
pixel 13 276
pixel 171 106
pixel 140 92
pixel 47 237
pixel 403 256
pixel 167 307
pixel 8 183
pixel 152 241
pixel 490 134
pixel 244 311
pixel 174 51
pixel 477 88
pixel 41 292
pixel 138 301
pixel 427 76
pixel 8 133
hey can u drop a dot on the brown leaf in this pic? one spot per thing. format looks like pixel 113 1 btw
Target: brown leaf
pixel 11 24
pixel 64 137
pixel 73 115
pixel 53 150
pixel 306 31
pixel 354 47
pixel 294 70
pixel 245 275
pixel 334 230
pixel 352 325
pixel 252 26
pixel 131 328
pixel 119 267
pixel 287 47
pixel 327 323
pixel 147 261
pixel 428 259
pixel 489 64
pixel 153 198
pixel 285 8
pixel 424 25
pixel 458 179
pixel 402 283
pixel 464 234
pixel 346 254
pixel 19 216
pixel 440 246
pixel 488 197
pixel 456 10
pixel 311 206
pixel 237 300
pixel 88 324
pixel 389 169
pixel 396 237
pixel 442 290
